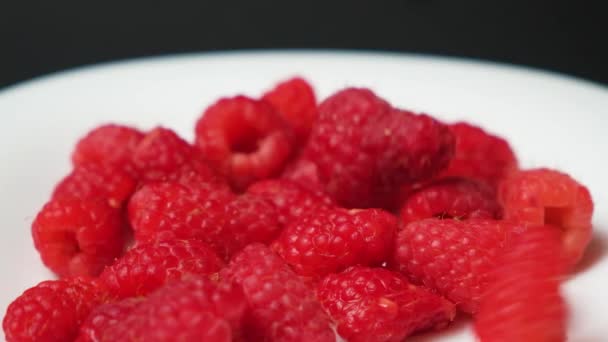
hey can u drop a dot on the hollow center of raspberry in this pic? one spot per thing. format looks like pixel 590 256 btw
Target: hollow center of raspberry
pixel 555 216
pixel 245 145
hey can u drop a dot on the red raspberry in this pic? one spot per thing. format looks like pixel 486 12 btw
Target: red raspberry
pixel 451 198
pixel 104 317
pixel 544 196
pixel 364 149
pixel 295 101
pixel 291 199
pixel 250 219
pixel 161 152
pixel 192 310
pixel 452 257
pixel 375 304
pixel 282 307
pixel 52 310
pixel 328 241
pixel 245 139
pixel 92 181
pixel 480 155
pixel 304 172
pixel 523 302
pixel 148 266
pixel 78 237
pixel 171 210
pixel 109 146
pixel 197 174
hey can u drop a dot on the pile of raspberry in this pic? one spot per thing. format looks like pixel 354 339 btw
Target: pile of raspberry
pixel 289 220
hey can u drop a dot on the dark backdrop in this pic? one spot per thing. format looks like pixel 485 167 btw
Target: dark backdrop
pixel 564 36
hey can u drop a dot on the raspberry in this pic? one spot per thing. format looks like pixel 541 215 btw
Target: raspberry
pixel 78 237
pixel 480 155
pixel 451 198
pixel 375 304
pixel 282 307
pixel 245 139
pixel 192 310
pixel 148 266
pixel 328 241
pixel 161 152
pixel 291 199
pixel 523 302
pixel 250 219
pixel 452 257
pixel 305 173
pixel 295 101
pixel 171 210
pixel 109 146
pixel 91 181
pixel 543 196
pixel 104 317
pixel 364 149
pixel 197 174
pixel 52 310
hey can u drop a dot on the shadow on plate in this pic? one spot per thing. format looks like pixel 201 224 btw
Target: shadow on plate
pixel 597 249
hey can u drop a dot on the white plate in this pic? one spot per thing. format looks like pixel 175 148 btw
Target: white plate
pixel 550 120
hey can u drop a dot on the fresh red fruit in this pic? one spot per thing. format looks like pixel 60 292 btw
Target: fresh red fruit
pixel 195 309
pixel 451 198
pixel 245 139
pixel 378 305
pixel 282 307
pixel 364 149
pixel 103 317
pixel 305 173
pixel 327 241
pixel 148 266
pixel 295 101
pixel 291 199
pixel 523 302
pixel 452 257
pixel 161 152
pixel 51 311
pixel 480 155
pixel 544 196
pixel 197 174
pixel 78 237
pixel 92 181
pixel 171 210
pixel 108 146
pixel 250 218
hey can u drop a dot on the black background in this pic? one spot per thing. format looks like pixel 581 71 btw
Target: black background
pixel 565 36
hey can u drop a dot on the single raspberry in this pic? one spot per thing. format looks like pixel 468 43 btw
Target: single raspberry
pixel 295 101
pixel 178 311
pixel 451 198
pixel 250 219
pixel 523 302
pixel 375 304
pixel 364 149
pixel 245 139
pixel 291 199
pixel 78 237
pixel 52 310
pixel 480 155
pixel 544 196
pixel 171 210
pixel 282 307
pixel 328 241
pixel 92 181
pixel 452 257
pixel 161 152
pixel 104 317
pixel 148 266
pixel 109 146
